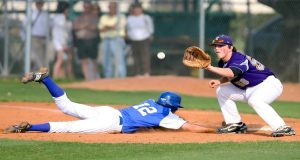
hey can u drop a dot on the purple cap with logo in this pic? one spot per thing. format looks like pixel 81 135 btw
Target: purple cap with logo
pixel 222 40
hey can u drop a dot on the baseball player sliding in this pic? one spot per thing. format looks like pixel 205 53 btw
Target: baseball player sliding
pixel 251 82
pixel 106 119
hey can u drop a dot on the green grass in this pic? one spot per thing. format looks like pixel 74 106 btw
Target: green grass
pixel 15 91
pixel 31 150
pixel 12 90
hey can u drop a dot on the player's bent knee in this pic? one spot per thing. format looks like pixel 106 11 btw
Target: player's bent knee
pixel 253 102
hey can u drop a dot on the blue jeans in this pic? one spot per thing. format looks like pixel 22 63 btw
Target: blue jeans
pixel 114 64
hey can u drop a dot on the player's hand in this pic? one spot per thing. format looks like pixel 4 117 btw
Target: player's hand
pixel 208 67
pixel 214 83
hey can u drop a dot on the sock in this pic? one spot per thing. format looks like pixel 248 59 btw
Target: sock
pixel 53 88
pixel 45 127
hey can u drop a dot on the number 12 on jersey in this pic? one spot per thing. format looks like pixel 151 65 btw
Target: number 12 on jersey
pixel 145 109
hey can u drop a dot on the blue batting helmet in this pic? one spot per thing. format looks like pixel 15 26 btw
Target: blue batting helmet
pixel 170 99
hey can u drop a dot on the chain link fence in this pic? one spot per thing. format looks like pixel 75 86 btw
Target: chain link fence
pixel 267 30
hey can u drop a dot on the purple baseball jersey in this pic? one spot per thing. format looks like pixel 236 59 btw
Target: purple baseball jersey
pixel 252 71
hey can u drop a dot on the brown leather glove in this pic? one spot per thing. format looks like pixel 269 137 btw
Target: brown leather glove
pixel 195 57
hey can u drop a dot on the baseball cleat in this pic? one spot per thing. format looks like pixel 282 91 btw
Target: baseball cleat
pixel 283 131
pixel 20 128
pixel 233 128
pixel 35 76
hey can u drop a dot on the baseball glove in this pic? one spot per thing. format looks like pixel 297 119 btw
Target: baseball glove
pixel 195 57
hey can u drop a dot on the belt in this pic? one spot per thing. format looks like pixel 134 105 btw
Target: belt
pixel 121 120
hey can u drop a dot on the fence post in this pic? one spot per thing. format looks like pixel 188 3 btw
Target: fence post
pixel 201 32
pixel 28 38
pixel 6 41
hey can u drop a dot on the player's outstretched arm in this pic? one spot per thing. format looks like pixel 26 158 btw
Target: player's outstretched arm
pixel 224 72
pixel 197 128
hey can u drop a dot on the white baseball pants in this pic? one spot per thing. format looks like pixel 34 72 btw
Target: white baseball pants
pixel 258 97
pixel 103 119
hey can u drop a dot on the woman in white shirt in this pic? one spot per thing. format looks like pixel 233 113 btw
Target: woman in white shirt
pixel 61 38
pixel 139 27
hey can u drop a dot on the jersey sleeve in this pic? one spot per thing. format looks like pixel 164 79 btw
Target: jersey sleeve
pixel 236 72
pixel 235 66
pixel 172 121
pixel 241 64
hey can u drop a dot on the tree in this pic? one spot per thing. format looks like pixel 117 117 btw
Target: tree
pixel 288 50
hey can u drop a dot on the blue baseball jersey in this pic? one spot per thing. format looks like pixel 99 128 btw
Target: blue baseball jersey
pixel 149 114
pixel 252 71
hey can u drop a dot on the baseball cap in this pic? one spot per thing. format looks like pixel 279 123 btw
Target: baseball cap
pixel 222 40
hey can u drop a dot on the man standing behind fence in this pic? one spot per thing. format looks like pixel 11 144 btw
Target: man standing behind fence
pixel 139 27
pixel 39 30
pixel 112 32
pixel 86 31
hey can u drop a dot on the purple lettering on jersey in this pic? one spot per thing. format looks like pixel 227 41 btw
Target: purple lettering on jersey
pixel 253 72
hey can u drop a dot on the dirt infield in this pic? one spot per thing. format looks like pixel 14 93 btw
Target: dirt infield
pixel 183 85
pixel 15 112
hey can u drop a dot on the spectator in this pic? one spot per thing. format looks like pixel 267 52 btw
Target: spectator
pixel 61 37
pixel 98 12
pixel 86 32
pixel 112 29
pixel 139 27
pixel 39 32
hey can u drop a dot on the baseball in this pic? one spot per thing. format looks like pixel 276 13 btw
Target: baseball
pixel 161 55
